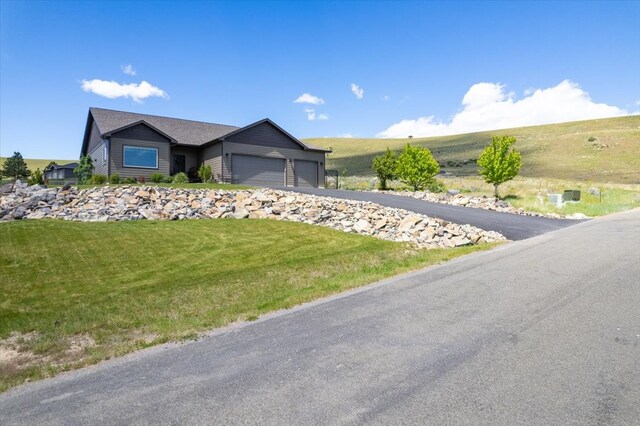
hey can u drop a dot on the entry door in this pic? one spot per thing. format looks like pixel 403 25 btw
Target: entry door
pixel 179 164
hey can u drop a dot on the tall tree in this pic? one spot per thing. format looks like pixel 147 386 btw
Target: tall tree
pixel 85 168
pixel 416 167
pixel 385 168
pixel 15 167
pixel 499 162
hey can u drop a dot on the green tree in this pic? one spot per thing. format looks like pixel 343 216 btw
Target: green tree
pixel 15 167
pixel 499 162
pixel 385 168
pixel 205 172
pixel 416 167
pixel 35 178
pixel 84 171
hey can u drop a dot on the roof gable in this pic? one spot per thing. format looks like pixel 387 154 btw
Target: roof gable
pixel 236 134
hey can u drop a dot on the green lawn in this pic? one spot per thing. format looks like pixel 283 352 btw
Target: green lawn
pixel 73 293
pixel 208 185
pixel 604 150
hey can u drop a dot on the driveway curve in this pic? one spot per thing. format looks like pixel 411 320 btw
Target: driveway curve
pixel 512 226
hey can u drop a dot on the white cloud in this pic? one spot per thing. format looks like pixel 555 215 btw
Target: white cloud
pixel 345 135
pixel 386 98
pixel 112 90
pixel 307 98
pixel 128 69
pixel 311 115
pixel 357 90
pixel 486 106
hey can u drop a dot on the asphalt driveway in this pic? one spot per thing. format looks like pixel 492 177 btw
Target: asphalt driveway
pixel 512 226
pixel 542 331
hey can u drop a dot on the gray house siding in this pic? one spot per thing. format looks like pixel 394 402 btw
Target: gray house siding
pixel 140 132
pixel 97 155
pixel 263 135
pixel 268 151
pixel 94 138
pixel 212 156
pixel 115 159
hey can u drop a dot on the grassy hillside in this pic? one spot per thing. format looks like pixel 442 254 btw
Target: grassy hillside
pixel 605 150
pixel 33 164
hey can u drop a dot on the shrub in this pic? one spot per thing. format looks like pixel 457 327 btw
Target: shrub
pixel 114 179
pixel 98 179
pixel 129 180
pixel 167 179
pixel 84 171
pixel 499 162
pixel 35 178
pixel 156 178
pixel 385 168
pixel 15 167
pixel 416 167
pixel 204 172
pixel 435 186
pixel 180 178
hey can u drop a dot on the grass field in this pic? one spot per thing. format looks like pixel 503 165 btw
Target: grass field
pixel 605 150
pixel 33 164
pixel 72 294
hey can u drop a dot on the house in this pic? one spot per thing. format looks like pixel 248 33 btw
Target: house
pixel 260 154
pixel 60 173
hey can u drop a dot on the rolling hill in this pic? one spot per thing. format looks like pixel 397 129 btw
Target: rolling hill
pixel 33 164
pixel 604 150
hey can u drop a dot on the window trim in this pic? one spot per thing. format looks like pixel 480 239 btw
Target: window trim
pixel 124 147
pixel 105 153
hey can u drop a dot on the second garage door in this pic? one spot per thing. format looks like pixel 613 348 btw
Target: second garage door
pixel 306 173
pixel 258 171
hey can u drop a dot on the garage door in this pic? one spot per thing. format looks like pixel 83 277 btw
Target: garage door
pixel 306 173
pixel 257 171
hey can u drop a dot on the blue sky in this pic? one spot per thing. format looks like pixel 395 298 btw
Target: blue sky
pixel 420 68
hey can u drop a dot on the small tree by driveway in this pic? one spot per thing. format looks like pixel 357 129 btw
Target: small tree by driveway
pixel 416 167
pixel 385 168
pixel 499 162
pixel 85 168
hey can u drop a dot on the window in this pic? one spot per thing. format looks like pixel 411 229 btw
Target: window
pixel 139 156
pixel 105 153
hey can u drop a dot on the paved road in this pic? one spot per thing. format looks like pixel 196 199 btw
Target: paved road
pixel 541 331
pixel 512 226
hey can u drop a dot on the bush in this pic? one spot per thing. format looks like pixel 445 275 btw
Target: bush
pixel 416 167
pixel 35 178
pixel 114 179
pixel 98 179
pixel 204 172
pixel 157 178
pixel 180 178
pixel 129 180
pixel 167 179
pixel 435 186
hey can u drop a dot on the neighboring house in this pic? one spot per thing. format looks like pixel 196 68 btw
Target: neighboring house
pixel 60 172
pixel 261 154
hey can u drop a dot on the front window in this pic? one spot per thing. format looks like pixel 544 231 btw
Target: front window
pixel 105 153
pixel 140 156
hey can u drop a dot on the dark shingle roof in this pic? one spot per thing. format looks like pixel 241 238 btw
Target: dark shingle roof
pixel 184 132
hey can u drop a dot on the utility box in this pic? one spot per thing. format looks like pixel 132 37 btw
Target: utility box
pixel 555 199
pixel 571 195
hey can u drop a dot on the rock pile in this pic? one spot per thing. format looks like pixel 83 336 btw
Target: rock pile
pixel 487 203
pixel 159 203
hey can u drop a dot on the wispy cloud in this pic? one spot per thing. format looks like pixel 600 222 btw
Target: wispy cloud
pixel 307 98
pixel 113 89
pixel 487 106
pixel 323 117
pixel 128 69
pixel 345 135
pixel 357 90
pixel 386 98
pixel 311 115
